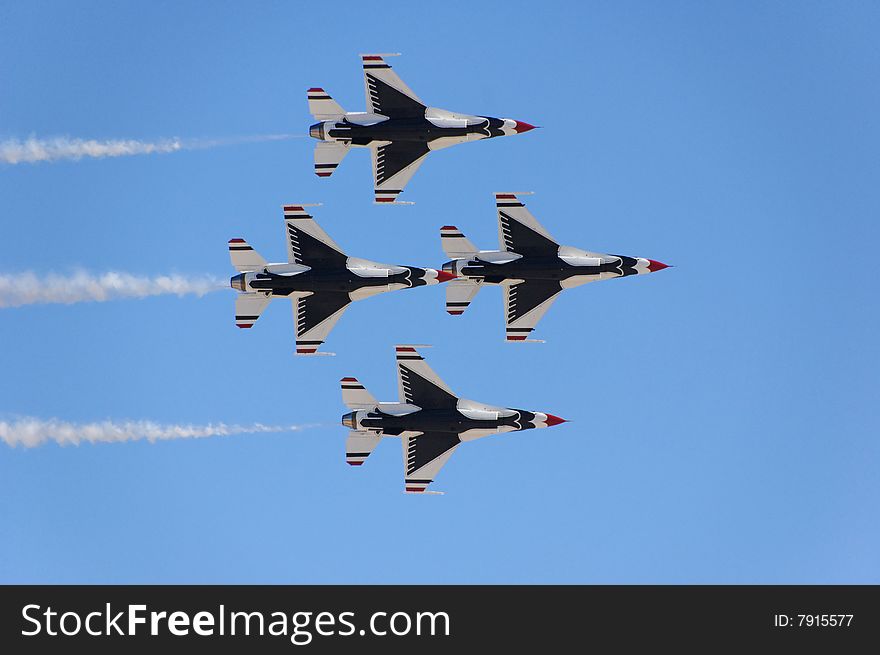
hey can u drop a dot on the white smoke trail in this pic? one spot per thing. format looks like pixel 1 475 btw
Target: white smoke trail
pixel 28 288
pixel 29 432
pixel 34 150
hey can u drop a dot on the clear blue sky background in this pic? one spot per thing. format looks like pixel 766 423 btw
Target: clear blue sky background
pixel 725 412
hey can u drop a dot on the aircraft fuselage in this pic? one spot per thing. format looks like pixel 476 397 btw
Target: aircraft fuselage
pixel 415 129
pixel 318 280
pixel 443 420
pixel 546 268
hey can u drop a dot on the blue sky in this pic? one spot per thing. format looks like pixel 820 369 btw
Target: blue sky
pixel 725 412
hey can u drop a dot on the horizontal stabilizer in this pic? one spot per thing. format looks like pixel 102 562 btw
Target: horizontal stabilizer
pixel 244 258
pixel 455 244
pixel 459 294
pixel 359 445
pixel 355 396
pixel 328 155
pixel 248 307
pixel 322 106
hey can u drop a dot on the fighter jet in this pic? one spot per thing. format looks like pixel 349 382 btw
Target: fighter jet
pixel 398 128
pixel 319 278
pixel 531 267
pixel 430 419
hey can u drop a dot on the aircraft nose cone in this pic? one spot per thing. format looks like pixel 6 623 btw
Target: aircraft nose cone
pixel 656 266
pixel 521 127
pixel 443 276
pixel 554 420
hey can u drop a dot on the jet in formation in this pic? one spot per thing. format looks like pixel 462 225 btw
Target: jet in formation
pixel 531 267
pixel 430 419
pixel 398 128
pixel 319 278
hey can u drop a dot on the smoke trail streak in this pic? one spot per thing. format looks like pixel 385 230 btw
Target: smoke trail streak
pixel 34 150
pixel 29 432
pixel 28 288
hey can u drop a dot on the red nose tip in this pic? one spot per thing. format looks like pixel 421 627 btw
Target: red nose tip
pixel 656 266
pixel 555 420
pixel 522 127
pixel 443 276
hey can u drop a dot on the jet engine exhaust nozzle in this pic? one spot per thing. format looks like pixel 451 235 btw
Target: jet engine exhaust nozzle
pixel 237 282
pixel 348 420
pixel 316 131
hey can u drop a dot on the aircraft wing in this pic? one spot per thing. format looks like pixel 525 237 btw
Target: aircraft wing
pixel 418 385
pixel 314 317
pixel 519 231
pixel 394 164
pixel 424 454
pixel 386 93
pixel 526 303
pixel 307 243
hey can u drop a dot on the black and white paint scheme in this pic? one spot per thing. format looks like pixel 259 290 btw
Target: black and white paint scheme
pixel 398 128
pixel 531 267
pixel 319 278
pixel 430 419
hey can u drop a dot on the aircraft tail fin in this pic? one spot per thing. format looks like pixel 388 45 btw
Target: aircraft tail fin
pixel 359 445
pixel 328 155
pixel 322 106
pixel 455 244
pixel 459 294
pixel 248 307
pixel 355 396
pixel 244 258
